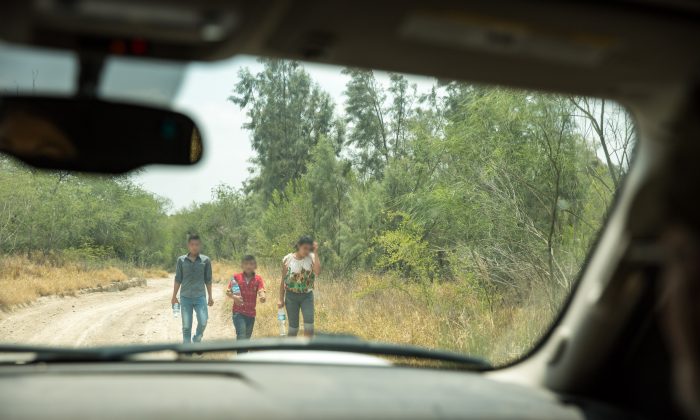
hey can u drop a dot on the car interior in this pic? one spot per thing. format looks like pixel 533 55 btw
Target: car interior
pixel 608 355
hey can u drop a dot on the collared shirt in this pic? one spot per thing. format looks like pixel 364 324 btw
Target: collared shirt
pixel 193 276
pixel 249 292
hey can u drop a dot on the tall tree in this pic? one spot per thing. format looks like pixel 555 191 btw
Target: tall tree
pixel 287 114
pixel 328 185
pixel 612 130
pixel 377 118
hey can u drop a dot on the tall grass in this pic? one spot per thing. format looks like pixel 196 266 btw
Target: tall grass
pixel 385 308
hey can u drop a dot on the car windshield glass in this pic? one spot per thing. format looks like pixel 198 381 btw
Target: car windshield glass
pixel 329 200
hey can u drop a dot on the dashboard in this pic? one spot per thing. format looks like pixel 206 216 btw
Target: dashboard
pixel 272 390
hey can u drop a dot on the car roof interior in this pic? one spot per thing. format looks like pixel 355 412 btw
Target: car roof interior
pixel 608 343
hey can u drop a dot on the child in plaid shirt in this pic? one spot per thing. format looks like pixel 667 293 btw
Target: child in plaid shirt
pixel 251 287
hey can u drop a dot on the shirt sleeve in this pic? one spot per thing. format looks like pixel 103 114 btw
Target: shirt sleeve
pixel 261 284
pixel 178 271
pixel 207 272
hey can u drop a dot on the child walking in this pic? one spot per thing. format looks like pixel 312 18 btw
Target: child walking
pixel 251 287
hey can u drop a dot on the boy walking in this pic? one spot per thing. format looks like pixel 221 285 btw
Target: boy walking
pixel 193 281
pixel 251 287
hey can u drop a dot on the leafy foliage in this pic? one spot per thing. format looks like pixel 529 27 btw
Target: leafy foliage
pixel 500 192
pixel 287 115
pixel 52 213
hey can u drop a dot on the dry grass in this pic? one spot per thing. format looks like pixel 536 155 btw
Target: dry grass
pixel 382 308
pixel 223 270
pixel 22 281
pixel 150 273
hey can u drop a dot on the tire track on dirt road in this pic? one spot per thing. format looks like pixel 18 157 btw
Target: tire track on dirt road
pixel 135 315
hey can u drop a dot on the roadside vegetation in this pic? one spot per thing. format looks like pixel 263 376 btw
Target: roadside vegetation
pixel 456 218
pixel 385 308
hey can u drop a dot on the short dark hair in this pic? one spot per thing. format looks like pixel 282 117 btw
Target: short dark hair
pixel 248 258
pixel 193 237
pixel 304 240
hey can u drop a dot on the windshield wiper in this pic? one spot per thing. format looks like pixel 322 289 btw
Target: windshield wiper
pixel 322 343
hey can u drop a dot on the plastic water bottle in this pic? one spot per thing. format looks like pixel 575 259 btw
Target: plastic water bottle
pixel 176 310
pixel 282 319
pixel 235 288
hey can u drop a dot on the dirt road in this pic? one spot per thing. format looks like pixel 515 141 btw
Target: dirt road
pixel 135 315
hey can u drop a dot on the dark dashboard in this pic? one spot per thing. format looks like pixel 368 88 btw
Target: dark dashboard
pixel 218 389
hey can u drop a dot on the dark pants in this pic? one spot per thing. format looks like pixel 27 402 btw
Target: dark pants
pixel 295 302
pixel 244 327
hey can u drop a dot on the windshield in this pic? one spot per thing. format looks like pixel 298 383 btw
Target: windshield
pixel 329 200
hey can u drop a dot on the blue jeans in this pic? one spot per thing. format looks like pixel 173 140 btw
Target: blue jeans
pixel 199 305
pixel 244 327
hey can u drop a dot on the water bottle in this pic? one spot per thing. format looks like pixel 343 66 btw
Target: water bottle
pixel 282 319
pixel 176 310
pixel 235 288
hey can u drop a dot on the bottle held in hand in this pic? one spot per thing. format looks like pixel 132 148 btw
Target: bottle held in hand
pixel 282 320
pixel 235 288
pixel 176 310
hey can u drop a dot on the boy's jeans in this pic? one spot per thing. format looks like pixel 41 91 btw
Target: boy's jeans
pixel 199 305
pixel 244 327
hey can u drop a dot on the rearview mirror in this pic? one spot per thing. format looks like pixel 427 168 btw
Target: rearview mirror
pixel 95 136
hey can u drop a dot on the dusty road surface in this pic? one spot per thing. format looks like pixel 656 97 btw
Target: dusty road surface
pixel 135 315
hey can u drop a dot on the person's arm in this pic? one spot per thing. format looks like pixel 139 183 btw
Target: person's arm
pixel 316 267
pixel 177 282
pixel 280 304
pixel 207 281
pixel 176 288
pixel 211 296
pixel 237 299
pixel 262 293
pixel 229 293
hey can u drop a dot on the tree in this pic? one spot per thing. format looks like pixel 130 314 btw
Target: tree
pixel 287 115
pixel 328 184
pixel 613 131
pixel 377 129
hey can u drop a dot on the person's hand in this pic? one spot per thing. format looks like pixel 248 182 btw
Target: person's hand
pixel 280 304
pixel 211 301
pixel 263 298
pixel 238 300
pixel 174 300
pixel 315 247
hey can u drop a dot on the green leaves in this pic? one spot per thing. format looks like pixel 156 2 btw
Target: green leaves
pixel 287 115
pixel 55 213
pixel 402 249
pixel 377 119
